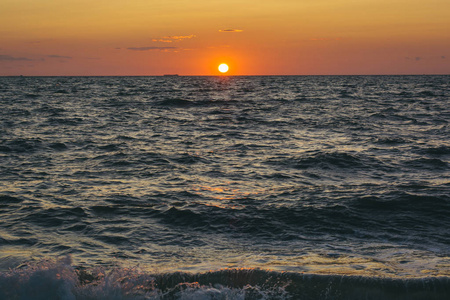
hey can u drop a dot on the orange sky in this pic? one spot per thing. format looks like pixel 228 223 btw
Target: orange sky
pixel 255 37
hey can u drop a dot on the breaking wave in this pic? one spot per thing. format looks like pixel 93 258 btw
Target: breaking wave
pixel 60 280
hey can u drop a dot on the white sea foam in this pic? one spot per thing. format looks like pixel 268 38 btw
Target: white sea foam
pixel 58 280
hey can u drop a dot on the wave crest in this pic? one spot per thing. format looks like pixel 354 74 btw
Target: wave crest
pixel 60 280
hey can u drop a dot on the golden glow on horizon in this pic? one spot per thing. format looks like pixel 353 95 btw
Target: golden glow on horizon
pixel 223 68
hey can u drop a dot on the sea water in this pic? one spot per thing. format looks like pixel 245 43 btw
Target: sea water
pixel 260 187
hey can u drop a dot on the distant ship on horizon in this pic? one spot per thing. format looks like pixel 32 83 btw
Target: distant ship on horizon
pixel 171 75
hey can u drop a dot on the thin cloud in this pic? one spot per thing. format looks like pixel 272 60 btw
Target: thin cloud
pixel 173 38
pixel 230 30
pixel 417 58
pixel 179 37
pixel 60 56
pixel 152 48
pixel 12 58
pixel 162 40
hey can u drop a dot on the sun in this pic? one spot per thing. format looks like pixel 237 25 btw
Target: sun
pixel 223 68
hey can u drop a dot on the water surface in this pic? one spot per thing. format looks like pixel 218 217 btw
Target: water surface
pixel 318 175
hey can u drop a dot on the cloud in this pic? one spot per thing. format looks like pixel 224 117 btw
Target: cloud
pixel 417 58
pixel 230 30
pixel 179 37
pixel 162 40
pixel 173 38
pixel 59 56
pixel 152 48
pixel 12 58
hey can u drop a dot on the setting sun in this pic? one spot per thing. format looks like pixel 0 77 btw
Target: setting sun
pixel 223 68
pixel 116 38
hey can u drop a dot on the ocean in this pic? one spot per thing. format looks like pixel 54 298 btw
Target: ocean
pixel 227 187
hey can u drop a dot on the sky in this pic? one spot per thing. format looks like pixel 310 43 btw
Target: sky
pixel 254 37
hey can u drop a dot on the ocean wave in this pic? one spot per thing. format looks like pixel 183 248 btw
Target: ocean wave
pixel 329 160
pixel 433 164
pixel 5 199
pixel 438 150
pixel 175 102
pixel 59 280
pixel 21 145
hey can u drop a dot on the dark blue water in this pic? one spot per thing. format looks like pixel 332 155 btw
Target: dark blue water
pixel 298 187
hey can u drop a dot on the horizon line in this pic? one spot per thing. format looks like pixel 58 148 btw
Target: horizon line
pixel 222 75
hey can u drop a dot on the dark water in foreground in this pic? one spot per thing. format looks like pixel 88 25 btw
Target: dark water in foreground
pixel 327 187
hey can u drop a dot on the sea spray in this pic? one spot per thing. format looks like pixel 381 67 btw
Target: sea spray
pixel 59 280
